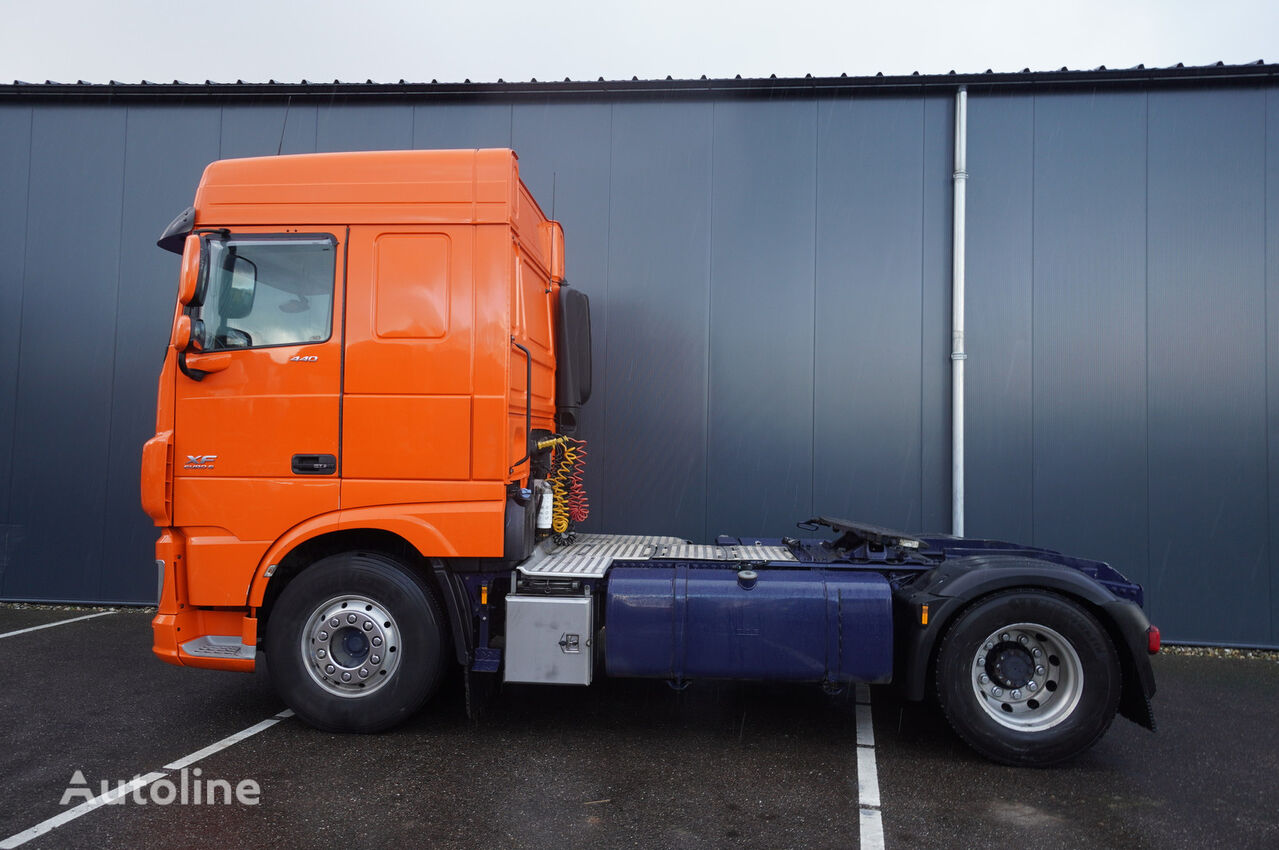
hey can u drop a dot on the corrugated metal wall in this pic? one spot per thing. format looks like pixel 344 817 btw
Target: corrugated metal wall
pixel 770 281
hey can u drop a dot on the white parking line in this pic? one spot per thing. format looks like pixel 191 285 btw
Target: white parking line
pixel 87 806
pixel 82 809
pixel 865 730
pixel 870 819
pixel 228 741
pixel 867 778
pixel 55 623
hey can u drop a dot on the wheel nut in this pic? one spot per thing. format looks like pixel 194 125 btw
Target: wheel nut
pixel 321 653
pixel 329 668
pixel 1037 652
pixel 981 661
pixel 335 622
pixel 1039 670
pixel 984 678
pixel 989 647
pixel 1004 636
pixel 350 618
pixel 324 635
pixel 346 677
pixel 1016 694
pixel 377 641
pixel 999 692
pixel 1031 686
pixel 368 627
pixel 1023 640
pixel 364 674
pixel 375 659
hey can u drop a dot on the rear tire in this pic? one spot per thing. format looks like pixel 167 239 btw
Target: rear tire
pixel 1028 678
pixel 355 643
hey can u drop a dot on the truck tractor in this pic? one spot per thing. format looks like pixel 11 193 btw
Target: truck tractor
pixel 367 466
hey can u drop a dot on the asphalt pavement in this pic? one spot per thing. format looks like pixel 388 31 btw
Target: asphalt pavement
pixel 624 763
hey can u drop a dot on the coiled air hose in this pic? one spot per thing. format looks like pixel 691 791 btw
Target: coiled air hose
pixel 570 504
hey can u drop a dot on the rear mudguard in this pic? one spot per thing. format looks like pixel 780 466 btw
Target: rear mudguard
pixel 954 585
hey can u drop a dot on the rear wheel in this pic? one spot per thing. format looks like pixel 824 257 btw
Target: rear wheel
pixel 355 643
pixel 1028 678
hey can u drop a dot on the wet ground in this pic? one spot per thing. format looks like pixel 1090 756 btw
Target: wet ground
pixel 621 764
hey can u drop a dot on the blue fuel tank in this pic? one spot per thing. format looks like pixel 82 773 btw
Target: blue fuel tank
pixel 682 621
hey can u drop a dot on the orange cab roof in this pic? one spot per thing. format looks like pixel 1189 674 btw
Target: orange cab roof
pixel 375 187
pixel 436 186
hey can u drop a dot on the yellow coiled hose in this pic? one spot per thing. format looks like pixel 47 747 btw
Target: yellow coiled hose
pixel 559 487
pixel 568 498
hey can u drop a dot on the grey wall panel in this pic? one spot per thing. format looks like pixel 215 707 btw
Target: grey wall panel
pixel 344 126
pixel 998 454
pixel 68 335
pixel 565 153
pixel 658 318
pixel 255 129
pixel 1207 349
pixel 757 268
pixel 15 166
pixel 462 125
pixel 1089 327
pixel 158 183
pixel 760 467
pixel 869 237
pixel 935 277
pixel 1272 345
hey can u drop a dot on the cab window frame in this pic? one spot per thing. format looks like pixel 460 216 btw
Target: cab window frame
pixel 197 303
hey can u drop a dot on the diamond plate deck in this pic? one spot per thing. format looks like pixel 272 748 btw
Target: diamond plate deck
pixel 591 555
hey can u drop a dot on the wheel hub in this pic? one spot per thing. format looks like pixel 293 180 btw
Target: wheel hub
pixel 1011 665
pixel 350 646
pixel 1027 676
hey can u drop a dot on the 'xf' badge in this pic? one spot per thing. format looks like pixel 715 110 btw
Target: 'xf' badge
pixel 199 461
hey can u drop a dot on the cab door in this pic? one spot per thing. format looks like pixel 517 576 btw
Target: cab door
pixel 257 446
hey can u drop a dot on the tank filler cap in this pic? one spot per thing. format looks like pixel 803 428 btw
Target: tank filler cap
pixel 746 579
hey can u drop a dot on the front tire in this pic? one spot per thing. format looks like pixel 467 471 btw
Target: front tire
pixel 355 643
pixel 1028 678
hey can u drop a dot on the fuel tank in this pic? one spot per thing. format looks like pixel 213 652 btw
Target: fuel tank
pixel 803 625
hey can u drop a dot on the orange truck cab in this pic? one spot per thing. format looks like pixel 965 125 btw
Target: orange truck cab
pixel 361 349
pixel 366 466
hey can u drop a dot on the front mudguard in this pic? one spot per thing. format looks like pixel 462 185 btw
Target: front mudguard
pixel 955 585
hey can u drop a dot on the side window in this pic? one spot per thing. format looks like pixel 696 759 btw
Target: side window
pixel 256 292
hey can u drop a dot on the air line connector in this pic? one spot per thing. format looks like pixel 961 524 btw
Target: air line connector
pixel 550 442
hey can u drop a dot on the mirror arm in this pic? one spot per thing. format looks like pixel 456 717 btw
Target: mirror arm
pixel 193 374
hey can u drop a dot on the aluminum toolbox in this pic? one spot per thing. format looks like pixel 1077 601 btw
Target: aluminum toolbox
pixel 550 639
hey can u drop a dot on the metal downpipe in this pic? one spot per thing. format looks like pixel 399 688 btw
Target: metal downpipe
pixel 957 354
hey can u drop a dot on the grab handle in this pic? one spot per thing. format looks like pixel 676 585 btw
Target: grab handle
pixel 528 403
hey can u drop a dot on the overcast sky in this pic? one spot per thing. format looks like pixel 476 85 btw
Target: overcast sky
pixel 389 40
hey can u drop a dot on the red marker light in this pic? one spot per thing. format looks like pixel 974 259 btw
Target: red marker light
pixel 1152 639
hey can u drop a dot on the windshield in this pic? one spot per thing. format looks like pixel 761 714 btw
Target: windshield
pixel 257 292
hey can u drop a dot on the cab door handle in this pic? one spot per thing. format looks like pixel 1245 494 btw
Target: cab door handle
pixel 314 464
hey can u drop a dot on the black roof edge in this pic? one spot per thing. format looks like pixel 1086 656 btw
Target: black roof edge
pixel 985 81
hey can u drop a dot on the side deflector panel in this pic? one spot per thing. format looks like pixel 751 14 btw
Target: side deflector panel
pixel 808 626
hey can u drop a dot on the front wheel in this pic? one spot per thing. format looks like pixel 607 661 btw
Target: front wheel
pixel 355 643
pixel 1028 678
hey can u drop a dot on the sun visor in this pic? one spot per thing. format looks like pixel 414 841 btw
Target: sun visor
pixel 176 233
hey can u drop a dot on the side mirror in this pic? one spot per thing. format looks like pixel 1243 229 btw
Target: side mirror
pixel 190 270
pixel 240 289
pixel 181 334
